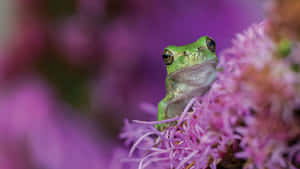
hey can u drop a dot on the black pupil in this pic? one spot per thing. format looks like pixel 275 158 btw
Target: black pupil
pixel 211 45
pixel 167 58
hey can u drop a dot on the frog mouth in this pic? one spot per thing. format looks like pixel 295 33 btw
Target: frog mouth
pixel 198 74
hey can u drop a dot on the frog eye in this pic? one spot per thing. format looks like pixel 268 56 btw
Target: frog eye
pixel 168 57
pixel 211 45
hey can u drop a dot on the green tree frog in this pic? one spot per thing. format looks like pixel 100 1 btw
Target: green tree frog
pixel 191 69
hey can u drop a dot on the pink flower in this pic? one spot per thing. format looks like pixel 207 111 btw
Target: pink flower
pixel 248 112
pixel 36 133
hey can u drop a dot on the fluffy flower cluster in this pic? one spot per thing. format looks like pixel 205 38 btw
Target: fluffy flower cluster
pixel 248 119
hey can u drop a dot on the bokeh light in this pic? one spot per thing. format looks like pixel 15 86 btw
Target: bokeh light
pixel 71 71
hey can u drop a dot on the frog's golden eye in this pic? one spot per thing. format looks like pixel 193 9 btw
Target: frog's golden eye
pixel 168 57
pixel 211 45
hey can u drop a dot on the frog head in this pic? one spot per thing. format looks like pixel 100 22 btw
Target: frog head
pixel 178 57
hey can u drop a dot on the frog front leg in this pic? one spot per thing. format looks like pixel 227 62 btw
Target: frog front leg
pixel 161 113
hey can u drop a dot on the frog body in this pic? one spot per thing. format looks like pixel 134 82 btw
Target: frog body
pixel 191 69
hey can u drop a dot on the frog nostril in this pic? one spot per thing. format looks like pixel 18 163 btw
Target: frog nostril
pixel 185 53
pixel 200 48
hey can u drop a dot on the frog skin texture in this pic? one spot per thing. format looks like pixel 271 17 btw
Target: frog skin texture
pixel 191 69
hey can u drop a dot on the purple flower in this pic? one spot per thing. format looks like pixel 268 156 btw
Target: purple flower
pixel 74 40
pixel 193 142
pixel 36 132
pixel 248 111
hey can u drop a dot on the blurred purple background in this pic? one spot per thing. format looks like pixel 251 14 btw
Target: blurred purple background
pixel 71 71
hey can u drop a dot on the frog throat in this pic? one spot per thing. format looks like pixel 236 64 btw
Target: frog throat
pixel 194 67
